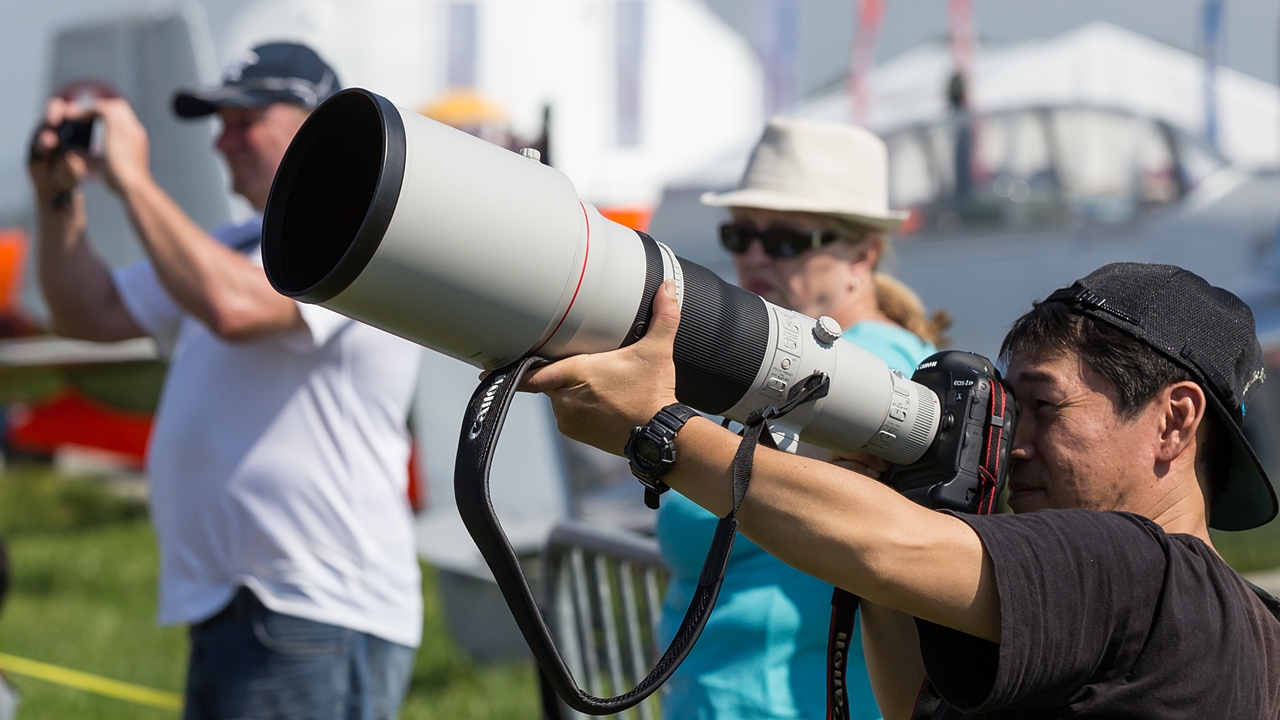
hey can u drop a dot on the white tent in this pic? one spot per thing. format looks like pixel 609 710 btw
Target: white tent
pixel 1096 64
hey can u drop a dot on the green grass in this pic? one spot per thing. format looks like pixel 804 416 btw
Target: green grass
pixel 83 596
pixel 1252 549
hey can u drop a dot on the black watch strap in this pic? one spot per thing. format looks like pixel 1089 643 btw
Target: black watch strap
pixel 675 415
pixel 669 420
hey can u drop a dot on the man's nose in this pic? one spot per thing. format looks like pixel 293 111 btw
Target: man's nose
pixel 1023 449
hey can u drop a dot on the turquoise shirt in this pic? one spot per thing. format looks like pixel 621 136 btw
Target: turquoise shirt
pixel 763 651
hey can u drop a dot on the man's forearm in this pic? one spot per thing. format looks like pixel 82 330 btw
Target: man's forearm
pixel 76 283
pixel 212 282
pixel 892 649
pixel 846 529
pixel 830 522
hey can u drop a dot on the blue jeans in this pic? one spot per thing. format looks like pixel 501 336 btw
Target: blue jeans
pixel 250 662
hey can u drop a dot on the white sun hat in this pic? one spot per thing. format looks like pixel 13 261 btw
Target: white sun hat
pixel 817 167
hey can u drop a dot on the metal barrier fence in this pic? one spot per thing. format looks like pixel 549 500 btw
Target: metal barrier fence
pixel 603 600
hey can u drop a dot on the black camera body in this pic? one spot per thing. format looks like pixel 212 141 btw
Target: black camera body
pixel 79 134
pixel 968 464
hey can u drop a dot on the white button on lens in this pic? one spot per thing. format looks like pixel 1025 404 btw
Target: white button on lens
pixel 827 330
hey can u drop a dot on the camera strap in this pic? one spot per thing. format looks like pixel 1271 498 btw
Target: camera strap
pixel 481 426
pixel 993 439
pixel 844 604
pixel 844 608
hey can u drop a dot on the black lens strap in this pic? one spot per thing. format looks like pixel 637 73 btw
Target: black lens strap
pixel 481 427
pixel 756 430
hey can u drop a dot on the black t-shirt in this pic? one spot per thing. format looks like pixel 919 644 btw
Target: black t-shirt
pixel 1104 615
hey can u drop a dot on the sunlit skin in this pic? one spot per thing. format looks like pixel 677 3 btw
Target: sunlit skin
pixel 253 141
pixel 834 280
pixel 1073 449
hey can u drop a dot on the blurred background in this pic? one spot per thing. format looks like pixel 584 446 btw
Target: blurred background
pixel 1031 143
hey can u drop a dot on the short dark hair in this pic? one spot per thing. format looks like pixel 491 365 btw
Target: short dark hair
pixel 1137 370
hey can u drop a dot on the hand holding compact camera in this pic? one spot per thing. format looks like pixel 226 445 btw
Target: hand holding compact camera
pixel 95 135
pixel 82 134
pixel 87 127
pixel 55 171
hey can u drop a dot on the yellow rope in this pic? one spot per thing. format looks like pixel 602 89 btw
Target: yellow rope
pixel 91 683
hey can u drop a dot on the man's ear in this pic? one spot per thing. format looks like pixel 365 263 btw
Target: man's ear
pixel 1183 406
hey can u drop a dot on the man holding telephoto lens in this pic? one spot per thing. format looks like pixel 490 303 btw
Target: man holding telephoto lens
pixel 278 462
pixel 1102 597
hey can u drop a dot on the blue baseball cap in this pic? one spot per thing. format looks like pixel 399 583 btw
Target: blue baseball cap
pixel 278 72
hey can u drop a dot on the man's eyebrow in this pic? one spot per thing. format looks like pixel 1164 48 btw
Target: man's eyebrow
pixel 1039 377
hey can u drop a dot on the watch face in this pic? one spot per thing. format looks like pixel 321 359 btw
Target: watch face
pixel 645 453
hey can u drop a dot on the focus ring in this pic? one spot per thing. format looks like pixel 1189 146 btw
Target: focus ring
pixel 721 343
pixel 652 279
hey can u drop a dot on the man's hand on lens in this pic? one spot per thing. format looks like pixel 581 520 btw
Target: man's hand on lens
pixel 599 398
pixel 125 148
pixel 55 172
pixel 861 462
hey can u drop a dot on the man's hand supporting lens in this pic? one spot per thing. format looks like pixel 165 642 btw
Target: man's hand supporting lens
pixel 836 525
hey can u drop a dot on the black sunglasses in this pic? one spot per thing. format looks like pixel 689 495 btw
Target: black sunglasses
pixel 777 242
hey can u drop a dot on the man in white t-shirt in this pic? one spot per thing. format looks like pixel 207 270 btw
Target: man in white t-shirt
pixel 279 458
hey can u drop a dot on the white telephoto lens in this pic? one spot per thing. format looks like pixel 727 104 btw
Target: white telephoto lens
pixel 472 250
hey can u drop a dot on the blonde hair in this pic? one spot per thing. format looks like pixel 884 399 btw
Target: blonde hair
pixel 898 302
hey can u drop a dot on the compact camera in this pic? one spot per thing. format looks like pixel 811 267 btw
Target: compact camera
pixel 84 135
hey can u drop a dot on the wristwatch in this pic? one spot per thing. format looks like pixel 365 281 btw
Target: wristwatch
pixel 652 449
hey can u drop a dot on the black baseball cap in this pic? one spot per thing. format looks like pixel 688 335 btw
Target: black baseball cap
pixel 1210 333
pixel 271 73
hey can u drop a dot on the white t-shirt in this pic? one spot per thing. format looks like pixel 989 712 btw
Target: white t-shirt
pixel 281 464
